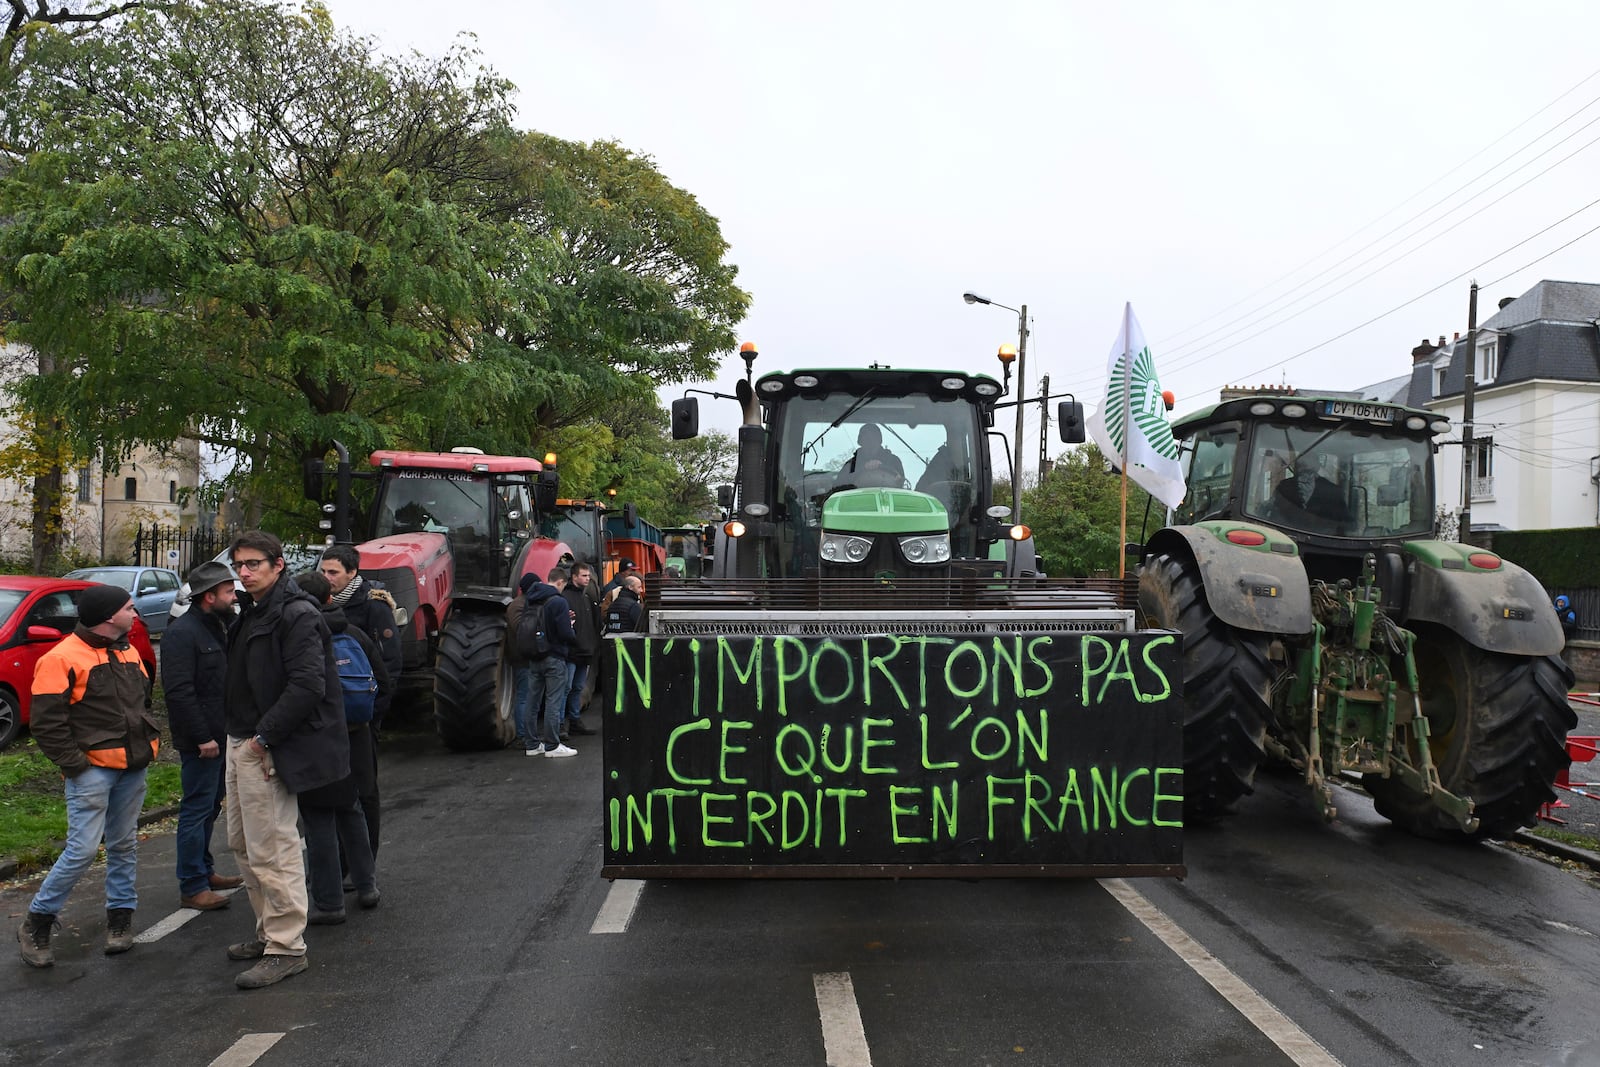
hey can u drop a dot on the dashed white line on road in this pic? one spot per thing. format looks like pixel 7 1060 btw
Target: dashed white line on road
pixel 247 1050
pixel 172 922
pixel 1294 1042
pixel 843 1038
pixel 617 911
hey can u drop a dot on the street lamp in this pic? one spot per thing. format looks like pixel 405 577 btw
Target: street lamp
pixel 1022 359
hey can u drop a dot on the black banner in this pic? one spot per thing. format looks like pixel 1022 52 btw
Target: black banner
pixel 1053 754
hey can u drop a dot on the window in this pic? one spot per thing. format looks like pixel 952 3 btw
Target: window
pixel 130 489
pixel 1438 382
pixel 1488 361
pixel 167 581
pixel 1483 468
pixel 172 492
pixel 1209 475
pixel 59 611
pixel 147 584
pixel 85 487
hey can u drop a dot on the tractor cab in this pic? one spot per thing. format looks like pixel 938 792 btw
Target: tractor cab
pixel 485 506
pixel 1338 476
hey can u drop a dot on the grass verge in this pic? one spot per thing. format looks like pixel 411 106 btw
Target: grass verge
pixel 33 804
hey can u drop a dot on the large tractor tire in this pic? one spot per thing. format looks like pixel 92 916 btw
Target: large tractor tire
pixel 1497 733
pixel 1227 683
pixel 467 708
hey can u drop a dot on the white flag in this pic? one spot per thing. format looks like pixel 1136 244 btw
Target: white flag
pixel 1133 417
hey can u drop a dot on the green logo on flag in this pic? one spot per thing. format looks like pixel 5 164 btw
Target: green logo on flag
pixel 1145 406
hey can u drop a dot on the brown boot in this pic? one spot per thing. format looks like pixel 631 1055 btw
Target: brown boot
pixel 34 935
pixel 205 900
pixel 119 930
pixel 225 881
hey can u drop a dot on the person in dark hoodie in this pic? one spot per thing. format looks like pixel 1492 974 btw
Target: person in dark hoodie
pixel 546 675
pixel 332 813
pixel 194 668
pixel 284 714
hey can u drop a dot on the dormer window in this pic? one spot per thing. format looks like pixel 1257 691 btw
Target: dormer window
pixel 1488 361
pixel 1438 382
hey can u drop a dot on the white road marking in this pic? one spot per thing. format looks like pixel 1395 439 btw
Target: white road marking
pixel 172 922
pixel 617 911
pixel 1295 1043
pixel 247 1050
pixel 843 1038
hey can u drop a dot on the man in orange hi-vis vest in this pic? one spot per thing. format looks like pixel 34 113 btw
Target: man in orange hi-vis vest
pixel 91 717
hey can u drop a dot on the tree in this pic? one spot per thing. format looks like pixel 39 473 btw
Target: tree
pixel 249 227
pixel 1074 514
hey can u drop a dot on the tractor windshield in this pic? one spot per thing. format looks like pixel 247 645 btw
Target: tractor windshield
pixel 1345 481
pixel 485 519
pixel 832 441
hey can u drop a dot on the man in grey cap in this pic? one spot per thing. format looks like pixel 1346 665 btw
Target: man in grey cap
pixel 194 670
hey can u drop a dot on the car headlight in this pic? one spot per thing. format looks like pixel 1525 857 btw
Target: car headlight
pixel 927 548
pixel 844 548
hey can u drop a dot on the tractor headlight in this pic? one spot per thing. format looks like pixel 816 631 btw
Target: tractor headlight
pixel 928 548
pixel 843 548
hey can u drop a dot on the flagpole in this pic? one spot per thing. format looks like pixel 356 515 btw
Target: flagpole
pixel 1127 391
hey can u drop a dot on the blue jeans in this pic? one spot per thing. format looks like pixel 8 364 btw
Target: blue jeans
pixel 101 802
pixel 577 675
pixel 522 701
pixel 203 789
pixel 549 692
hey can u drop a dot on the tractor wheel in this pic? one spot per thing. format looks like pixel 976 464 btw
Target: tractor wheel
pixel 1227 682
pixel 466 704
pixel 1497 727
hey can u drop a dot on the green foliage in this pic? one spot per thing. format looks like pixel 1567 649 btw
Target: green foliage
pixel 244 225
pixel 1562 560
pixel 1074 514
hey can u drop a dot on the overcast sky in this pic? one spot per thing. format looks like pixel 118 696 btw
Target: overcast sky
pixel 1260 180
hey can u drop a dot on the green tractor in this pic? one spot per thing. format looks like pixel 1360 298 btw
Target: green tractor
pixel 1327 629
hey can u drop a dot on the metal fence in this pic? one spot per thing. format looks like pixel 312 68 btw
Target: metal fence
pixel 1586 602
pixel 170 546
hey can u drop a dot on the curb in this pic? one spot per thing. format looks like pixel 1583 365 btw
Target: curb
pixel 10 867
pixel 1571 853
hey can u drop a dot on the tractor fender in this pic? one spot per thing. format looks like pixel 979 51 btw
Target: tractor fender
pixel 1261 588
pixel 1498 609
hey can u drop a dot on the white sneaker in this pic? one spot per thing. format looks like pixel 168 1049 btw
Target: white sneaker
pixel 559 751
pixel 536 750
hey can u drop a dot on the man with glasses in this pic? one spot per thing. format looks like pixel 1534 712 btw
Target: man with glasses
pixel 284 712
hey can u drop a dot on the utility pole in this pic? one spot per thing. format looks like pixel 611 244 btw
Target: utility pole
pixel 1467 450
pixel 1044 426
pixel 1022 386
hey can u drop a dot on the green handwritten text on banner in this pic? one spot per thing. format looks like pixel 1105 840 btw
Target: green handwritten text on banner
pixel 1061 749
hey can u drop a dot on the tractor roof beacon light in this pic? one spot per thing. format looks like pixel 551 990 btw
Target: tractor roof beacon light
pixel 549 459
pixel 748 353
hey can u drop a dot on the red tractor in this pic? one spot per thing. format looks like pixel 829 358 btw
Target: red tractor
pixel 450 535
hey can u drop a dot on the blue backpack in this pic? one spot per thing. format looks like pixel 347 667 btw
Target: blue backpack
pixel 355 678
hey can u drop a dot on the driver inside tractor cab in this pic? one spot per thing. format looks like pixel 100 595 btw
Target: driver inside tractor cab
pixel 1310 486
pixel 873 465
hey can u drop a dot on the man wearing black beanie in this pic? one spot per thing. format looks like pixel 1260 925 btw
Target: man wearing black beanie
pixel 91 717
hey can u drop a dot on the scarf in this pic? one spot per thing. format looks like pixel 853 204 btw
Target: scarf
pixel 345 595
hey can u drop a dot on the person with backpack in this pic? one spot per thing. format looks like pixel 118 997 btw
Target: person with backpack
pixel 332 813
pixel 539 635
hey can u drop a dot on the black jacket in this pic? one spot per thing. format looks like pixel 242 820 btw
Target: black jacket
pixel 585 623
pixel 279 649
pixel 194 672
pixel 623 618
pixel 345 791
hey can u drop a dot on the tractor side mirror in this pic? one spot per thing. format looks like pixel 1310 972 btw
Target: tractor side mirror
pixel 544 491
pixel 685 418
pixel 630 515
pixel 725 497
pixel 1069 416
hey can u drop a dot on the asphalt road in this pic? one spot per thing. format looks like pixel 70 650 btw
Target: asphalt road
pixel 1291 941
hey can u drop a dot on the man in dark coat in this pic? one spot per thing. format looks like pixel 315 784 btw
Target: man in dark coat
pixel 549 690
pixel 586 623
pixel 194 668
pixel 332 813
pixel 623 615
pixel 285 720
pixel 370 610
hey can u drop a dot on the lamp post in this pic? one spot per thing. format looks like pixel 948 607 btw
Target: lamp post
pixel 1022 362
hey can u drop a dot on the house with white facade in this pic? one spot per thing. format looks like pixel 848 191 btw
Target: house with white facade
pixel 1535 454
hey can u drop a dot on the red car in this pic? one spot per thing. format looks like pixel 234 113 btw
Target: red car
pixel 35 613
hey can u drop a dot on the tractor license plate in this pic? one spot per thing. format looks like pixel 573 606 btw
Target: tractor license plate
pixel 1350 409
